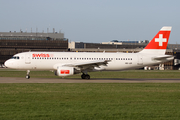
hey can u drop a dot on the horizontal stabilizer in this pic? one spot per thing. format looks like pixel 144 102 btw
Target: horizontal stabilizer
pixel 161 58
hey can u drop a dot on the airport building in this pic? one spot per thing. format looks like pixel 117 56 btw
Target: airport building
pixel 16 42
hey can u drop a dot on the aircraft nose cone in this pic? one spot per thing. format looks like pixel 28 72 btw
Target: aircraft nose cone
pixel 7 63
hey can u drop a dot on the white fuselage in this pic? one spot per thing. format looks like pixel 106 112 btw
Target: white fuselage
pixel 69 63
pixel 51 60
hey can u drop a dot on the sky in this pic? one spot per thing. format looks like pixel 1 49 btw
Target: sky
pixel 93 21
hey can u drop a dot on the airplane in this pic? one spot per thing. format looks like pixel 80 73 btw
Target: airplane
pixel 70 63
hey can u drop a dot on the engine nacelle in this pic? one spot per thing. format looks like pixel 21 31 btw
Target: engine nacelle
pixel 64 71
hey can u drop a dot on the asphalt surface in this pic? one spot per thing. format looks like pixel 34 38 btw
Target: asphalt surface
pixel 97 80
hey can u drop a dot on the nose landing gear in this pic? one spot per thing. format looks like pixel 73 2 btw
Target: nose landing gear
pixel 28 76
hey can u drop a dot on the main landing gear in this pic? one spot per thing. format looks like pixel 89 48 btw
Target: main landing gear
pixel 85 76
pixel 28 76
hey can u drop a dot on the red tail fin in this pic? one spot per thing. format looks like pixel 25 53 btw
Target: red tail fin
pixel 159 42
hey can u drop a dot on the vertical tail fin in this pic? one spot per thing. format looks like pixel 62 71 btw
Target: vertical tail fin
pixel 159 43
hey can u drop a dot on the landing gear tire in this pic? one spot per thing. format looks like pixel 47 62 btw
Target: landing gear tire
pixel 27 76
pixel 85 76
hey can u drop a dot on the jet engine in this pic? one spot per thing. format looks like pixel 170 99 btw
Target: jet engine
pixel 64 71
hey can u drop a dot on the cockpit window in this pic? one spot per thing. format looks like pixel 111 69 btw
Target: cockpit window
pixel 15 57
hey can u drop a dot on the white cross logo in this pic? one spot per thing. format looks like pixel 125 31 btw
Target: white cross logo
pixel 160 39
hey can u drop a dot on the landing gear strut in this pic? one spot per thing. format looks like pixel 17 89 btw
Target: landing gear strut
pixel 28 76
pixel 85 76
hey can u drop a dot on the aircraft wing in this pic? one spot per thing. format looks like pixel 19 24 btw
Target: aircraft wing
pixel 91 63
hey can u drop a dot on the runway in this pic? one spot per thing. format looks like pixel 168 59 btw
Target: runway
pixel 76 80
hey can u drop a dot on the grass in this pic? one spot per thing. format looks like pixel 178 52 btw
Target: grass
pixel 90 101
pixel 87 101
pixel 104 74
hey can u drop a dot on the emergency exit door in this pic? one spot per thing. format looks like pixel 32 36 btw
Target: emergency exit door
pixel 140 60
